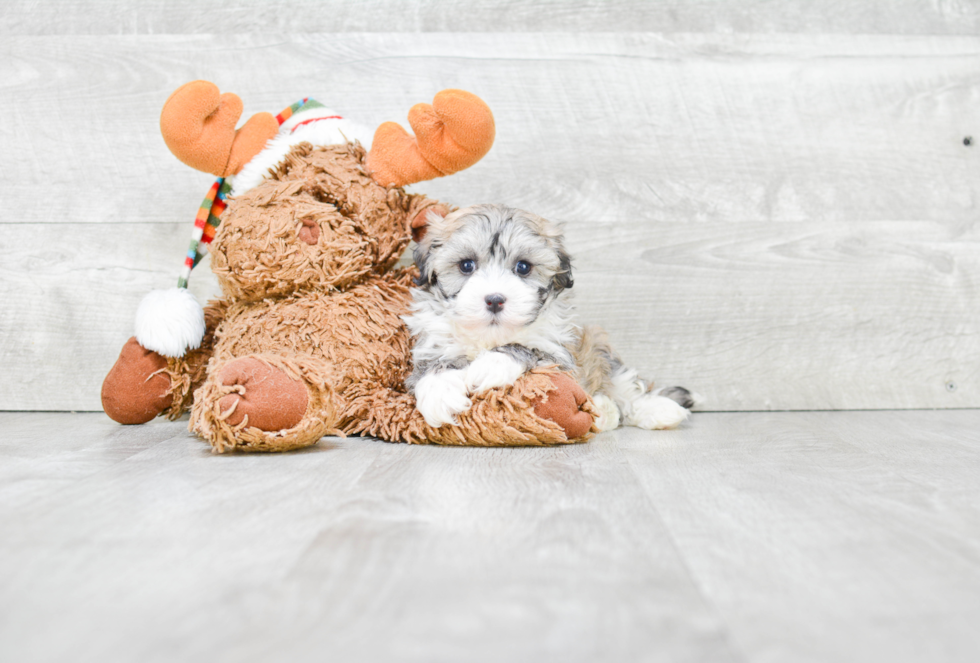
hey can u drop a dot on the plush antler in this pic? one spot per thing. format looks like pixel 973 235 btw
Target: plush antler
pixel 198 125
pixel 451 134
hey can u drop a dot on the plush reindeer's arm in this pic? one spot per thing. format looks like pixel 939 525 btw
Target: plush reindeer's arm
pixel 544 407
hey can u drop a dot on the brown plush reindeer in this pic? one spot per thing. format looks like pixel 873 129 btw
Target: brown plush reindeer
pixel 308 339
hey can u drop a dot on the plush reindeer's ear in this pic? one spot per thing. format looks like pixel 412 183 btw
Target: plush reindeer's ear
pixel 563 278
pixel 420 224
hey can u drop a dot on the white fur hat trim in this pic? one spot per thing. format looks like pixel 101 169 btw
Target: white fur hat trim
pixel 319 126
pixel 170 322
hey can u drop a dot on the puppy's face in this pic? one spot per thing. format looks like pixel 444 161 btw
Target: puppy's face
pixel 495 269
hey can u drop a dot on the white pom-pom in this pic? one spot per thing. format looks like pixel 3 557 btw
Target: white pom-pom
pixel 170 322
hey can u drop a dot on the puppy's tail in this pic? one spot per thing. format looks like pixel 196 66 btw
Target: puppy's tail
pixel 683 397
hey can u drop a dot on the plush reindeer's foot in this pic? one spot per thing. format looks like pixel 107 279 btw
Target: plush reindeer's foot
pixel 137 387
pixel 271 399
pixel 564 406
pixel 266 403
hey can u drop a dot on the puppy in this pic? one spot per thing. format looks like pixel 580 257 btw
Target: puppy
pixel 491 303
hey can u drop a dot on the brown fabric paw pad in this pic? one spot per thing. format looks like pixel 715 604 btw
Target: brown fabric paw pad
pixel 272 400
pixel 137 387
pixel 564 405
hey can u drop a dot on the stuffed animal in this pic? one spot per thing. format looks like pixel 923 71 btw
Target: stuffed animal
pixel 305 227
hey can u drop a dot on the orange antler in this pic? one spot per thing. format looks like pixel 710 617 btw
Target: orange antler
pixel 198 125
pixel 451 134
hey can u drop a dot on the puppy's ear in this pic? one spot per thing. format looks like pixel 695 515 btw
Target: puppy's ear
pixel 420 224
pixel 552 231
pixel 563 277
pixel 421 254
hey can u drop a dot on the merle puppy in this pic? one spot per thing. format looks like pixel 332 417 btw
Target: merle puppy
pixel 493 302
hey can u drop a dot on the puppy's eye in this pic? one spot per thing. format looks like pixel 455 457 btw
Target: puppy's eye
pixel 467 266
pixel 523 268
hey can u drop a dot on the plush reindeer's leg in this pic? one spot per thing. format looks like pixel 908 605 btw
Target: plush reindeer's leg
pixel 268 398
pixel 143 384
pixel 137 387
pixel 266 402
pixel 567 405
pixel 187 373
pixel 542 408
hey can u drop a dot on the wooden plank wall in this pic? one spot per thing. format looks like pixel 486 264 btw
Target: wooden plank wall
pixel 771 203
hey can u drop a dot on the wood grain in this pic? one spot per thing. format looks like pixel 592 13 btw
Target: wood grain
pixel 771 316
pixel 843 536
pixel 596 128
pixel 777 221
pixel 113 17
pixel 354 550
pixel 70 297
pixel 791 316
pixel 827 536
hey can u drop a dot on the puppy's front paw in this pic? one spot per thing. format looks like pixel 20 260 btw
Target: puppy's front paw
pixel 655 412
pixel 492 369
pixel 439 397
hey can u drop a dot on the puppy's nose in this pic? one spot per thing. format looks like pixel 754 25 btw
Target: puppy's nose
pixel 495 302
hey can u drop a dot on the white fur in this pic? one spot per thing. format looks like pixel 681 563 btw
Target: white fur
pixel 440 396
pixel 641 407
pixel 552 332
pixel 655 412
pixel 608 418
pixel 627 389
pixel 492 369
pixel 322 132
pixel 518 310
pixel 170 322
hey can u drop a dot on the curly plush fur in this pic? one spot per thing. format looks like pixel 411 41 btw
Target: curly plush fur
pixel 306 262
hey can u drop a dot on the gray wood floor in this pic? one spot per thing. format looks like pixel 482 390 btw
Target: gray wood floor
pixel 846 536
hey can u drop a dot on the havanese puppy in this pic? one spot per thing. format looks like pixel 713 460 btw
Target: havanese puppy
pixel 492 301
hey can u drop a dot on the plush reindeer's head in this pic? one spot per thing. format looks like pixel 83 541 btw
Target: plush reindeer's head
pixel 318 211
pixel 307 207
pixel 318 221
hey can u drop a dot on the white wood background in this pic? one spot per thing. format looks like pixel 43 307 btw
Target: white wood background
pixel 768 202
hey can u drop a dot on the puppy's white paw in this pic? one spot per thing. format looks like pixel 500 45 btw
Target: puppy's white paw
pixel 608 418
pixel 492 369
pixel 655 412
pixel 439 397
